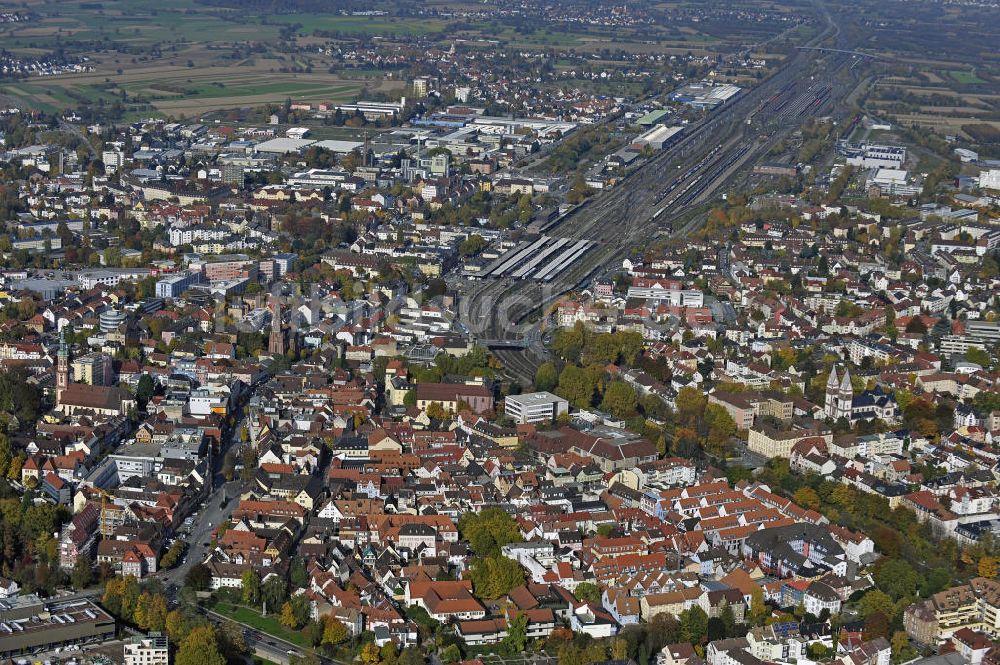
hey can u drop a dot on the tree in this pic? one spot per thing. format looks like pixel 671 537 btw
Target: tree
pixel 720 428
pixel 495 576
pixel 300 609
pixel 691 404
pixel 14 469
pixel 298 574
pixel 694 625
pixel 728 618
pixel 199 577
pixel 901 650
pixel 6 454
pixel 200 647
pixel 716 629
pixel 370 654
pixel 619 399
pixel 807 498
pixel 312 633
pixel 517 634
pixel 83 571
pixel 410 656
pixel 489 530
pixel 436 411
pixel 987 567
pixel 876 625
pixel 273 592
pixel 978 356
pixel 897 578
pixel 588 591
pixel 451 654
pixel 758 609
pixel 817 651
pixel 334 631
pixel 144 390
pixel 173 555
pixel 546 376
pixel 251 587
pixel 388 654
pixel 177 626
pixel 151 612
pixel 288 616
pixel 576 387
pixel 876 601
pixel 121 595
pixel 472 245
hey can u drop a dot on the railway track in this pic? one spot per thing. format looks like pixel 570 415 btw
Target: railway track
pixel 651 198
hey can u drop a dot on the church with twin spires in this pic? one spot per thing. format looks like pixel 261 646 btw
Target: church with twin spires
pixel 869 405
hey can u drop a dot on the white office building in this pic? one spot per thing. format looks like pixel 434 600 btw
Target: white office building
pixel 151 650
pixel 535 407
pixel 871 156
pixel 989 179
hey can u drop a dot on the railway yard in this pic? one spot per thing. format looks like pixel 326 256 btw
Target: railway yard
pixel 505 304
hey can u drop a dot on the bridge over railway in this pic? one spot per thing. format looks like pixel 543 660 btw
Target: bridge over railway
pixel 859 54
pixel 499 344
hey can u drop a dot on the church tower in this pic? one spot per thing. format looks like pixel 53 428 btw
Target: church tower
pixel 276 342
pixel 845 396
pixel 832 388
pixel 62 367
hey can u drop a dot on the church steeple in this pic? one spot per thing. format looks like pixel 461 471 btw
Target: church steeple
pixel 830 405
pixel 62 366
pixel 845 396
pixel 276 341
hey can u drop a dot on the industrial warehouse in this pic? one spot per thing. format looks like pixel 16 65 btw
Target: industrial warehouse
pixel 30 625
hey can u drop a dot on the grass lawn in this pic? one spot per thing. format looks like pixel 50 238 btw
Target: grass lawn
pixel 268 624
pixel 964 77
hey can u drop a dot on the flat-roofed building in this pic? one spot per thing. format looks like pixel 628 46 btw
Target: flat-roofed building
pixel 153 649
pixel 535 407
pixel 27 624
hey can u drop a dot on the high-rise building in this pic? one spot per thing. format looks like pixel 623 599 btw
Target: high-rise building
pixel 233 174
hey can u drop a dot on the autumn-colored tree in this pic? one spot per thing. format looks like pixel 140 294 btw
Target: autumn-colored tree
pixel 807 498
pixel 691 404
pixel 334 631
pixel 619 399
pixel 150 612
pixel 200 647
pixel 251 587
pixel 370 654
pixel 288 616
pixel 876 602
pixel 495 576
pixel 436 411
pixel 758 609
pixel 177 626
pixel 988 567
pixel 876 625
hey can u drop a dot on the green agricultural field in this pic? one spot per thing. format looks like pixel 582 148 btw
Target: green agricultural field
pixel 964 77
pixel 361 25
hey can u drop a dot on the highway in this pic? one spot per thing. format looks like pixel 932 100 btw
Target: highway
pixel 677 181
